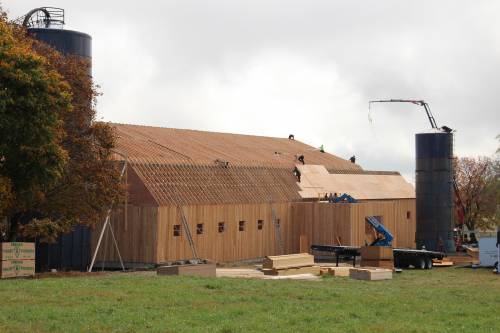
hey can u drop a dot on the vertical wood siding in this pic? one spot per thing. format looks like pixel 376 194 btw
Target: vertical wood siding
pixel 149 234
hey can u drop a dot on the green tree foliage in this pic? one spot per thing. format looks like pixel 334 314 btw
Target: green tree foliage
pixel 76 179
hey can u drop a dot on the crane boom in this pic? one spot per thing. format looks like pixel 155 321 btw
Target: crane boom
pixel 417 102
pixel 387 238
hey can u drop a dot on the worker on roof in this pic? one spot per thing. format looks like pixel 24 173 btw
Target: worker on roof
pixel 353 159
pixel 296 172
pixel 301 159
pixel 321 149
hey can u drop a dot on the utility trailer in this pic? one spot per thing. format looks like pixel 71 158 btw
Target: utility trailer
pixel 420 259
pixel 403 258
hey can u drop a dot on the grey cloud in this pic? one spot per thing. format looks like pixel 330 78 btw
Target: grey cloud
pixel 302 67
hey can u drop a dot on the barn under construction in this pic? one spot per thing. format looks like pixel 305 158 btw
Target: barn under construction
pixel 240 199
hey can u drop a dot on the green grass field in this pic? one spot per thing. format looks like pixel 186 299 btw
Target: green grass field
pixel 441 300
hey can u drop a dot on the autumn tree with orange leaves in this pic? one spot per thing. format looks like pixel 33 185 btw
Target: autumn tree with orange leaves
pixel 56 162
pixel 478 182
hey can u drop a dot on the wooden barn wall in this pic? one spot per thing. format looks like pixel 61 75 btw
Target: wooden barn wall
pixel 148 234
pixel 230 245
pixel 320 223
pixel 406 227
pixel 393 216
pixel 136 235
pixel 325 223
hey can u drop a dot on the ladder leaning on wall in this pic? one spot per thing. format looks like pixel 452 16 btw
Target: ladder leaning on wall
pixel 277 230
pixel 185 225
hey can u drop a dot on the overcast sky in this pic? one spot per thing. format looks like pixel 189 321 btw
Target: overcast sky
pixel 303 67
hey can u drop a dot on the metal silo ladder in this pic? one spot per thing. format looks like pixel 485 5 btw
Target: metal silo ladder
pixel 277 230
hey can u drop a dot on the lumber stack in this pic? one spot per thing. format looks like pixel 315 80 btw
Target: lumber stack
pixel 377 256
pixel 339 271
pixel 370 274
pixel 17 259
pixel 441 263
pixel 205 268
pixel 290 264
pixel 462 259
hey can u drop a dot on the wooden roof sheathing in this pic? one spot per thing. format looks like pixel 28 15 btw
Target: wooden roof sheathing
pixel 184 146
pixel 179 166
pixel 316 181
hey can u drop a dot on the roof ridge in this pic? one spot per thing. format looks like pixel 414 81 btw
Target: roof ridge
pixel 203 131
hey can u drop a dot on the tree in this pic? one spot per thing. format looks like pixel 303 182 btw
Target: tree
pixel 89 182
pixel 478 184
pixel 32 98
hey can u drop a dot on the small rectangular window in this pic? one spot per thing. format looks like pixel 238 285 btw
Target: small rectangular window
pixel 260 224
pixel 177 230
pixel 241 226
pixel 408 215
pixel 199 229
pixel 278 222
pixel 222 227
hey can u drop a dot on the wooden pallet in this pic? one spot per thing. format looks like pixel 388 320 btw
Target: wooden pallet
pixel 370 274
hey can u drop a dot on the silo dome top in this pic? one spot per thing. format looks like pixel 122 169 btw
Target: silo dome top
pixel 44 17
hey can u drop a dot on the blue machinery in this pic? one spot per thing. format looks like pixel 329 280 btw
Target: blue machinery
pixel 344 197
pixel 387 237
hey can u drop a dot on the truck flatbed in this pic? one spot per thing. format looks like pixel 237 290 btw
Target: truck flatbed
pixel 403 257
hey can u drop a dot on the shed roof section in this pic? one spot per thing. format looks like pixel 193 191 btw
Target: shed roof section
pixel 316 181
pixel 183 146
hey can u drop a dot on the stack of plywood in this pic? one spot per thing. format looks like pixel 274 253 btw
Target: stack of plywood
pixel 290 264
pixel 377 256
pixel 17 259
pixel 370 274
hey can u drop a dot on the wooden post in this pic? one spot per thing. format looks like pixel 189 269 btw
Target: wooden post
pixel 304 244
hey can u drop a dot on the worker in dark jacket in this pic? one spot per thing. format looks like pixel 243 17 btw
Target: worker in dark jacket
pixel 296 172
